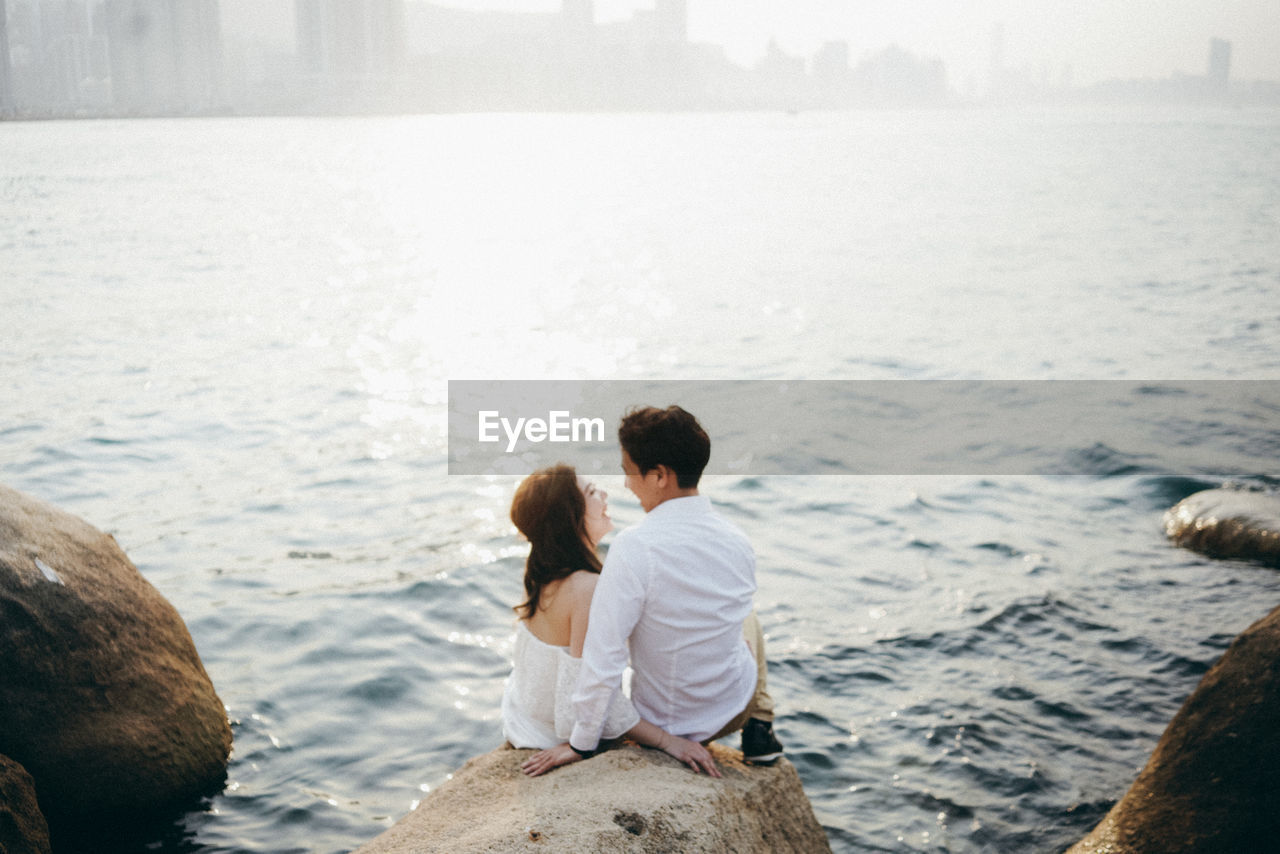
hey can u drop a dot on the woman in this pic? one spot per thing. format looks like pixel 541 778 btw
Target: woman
pixel 564 517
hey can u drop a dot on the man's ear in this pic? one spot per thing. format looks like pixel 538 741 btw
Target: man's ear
pixel 664 474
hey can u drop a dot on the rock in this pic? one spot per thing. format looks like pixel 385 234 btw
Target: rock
pixel 1212 783
pixel 1229 523
pixel 23 829
pixel 103 698
pixel 628 799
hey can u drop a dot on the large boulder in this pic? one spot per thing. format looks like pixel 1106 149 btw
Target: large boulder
pixel 1212 785
pixel 1229 523
pixel 103 698
pixel 624 800
pixel 23 829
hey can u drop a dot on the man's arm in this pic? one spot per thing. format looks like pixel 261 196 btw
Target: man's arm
pixel 615 610
pixel 691 753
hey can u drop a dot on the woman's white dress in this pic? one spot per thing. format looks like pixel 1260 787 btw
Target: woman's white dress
pixel 537 701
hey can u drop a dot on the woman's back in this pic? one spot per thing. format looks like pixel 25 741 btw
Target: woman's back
pixel 536 702
pixel 563 609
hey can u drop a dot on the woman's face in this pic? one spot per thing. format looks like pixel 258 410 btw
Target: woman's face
pixel 598 521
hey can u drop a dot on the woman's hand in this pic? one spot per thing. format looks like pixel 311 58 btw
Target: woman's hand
pixel 552 757
pixel 691 753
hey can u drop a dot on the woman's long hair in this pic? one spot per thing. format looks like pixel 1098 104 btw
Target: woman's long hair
pixel 550 510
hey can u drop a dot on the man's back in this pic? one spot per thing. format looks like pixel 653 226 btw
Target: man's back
pixel 679 586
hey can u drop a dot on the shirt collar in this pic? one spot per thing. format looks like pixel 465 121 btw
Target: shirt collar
pixel 688 505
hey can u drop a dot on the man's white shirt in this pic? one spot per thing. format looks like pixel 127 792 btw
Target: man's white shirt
pixel 671 597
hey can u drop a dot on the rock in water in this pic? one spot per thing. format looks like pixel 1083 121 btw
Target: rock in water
pixel 1229 523
pixel 103 698
pixel 23 829
pixel 1212 784
pixel 624 800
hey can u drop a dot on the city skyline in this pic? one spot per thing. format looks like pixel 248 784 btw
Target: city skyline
pixel 151 57
pixel 1091 40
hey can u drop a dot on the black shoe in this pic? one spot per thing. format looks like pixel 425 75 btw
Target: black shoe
pixel 759 745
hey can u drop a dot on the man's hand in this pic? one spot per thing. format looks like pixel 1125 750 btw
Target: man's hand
pixel 552 757
pixel 691 753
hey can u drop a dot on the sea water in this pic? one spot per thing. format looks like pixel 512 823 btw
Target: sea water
pixel 228 341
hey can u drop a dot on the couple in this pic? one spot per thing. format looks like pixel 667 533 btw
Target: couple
pixel 673 598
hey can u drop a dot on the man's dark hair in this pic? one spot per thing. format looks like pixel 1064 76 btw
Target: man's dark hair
pixel 669 437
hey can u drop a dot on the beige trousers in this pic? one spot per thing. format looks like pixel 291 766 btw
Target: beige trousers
pixel 761 704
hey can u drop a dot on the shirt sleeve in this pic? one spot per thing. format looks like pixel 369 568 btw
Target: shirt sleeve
pixel 615 610
pixel 621 717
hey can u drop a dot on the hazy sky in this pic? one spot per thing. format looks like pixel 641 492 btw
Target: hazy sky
pixel 1098 39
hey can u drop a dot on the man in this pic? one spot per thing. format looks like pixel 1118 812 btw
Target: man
pixel 675 596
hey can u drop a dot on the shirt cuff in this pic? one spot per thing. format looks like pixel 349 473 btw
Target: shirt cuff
pixel 581 741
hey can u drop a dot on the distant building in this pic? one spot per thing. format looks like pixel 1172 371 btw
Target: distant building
pixel 831 64
pixel 1219 76
pixel 165 57
pixel 1214 85
pixel 780 79
pixel 671 21
pixel 197 39
pixel 143 65
pixel 67 36
pixel 55 57
pixel 997 76
pixel 351 39
pixel 894 75
pixel 579 16
pixel 668 56
pixel 833 80
pixel 6 66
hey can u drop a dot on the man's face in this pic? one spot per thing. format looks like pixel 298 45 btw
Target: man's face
pixel 644 487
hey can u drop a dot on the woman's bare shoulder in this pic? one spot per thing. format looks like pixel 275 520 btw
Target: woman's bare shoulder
pixel 569 593
pixel 579 584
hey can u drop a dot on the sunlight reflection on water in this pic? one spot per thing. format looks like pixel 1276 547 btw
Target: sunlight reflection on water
pixel 233 352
